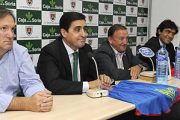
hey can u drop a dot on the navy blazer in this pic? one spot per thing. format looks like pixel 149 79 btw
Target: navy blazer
pixel 55 70
pixel 106 61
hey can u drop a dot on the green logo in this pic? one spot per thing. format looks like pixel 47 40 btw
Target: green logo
pixel 29 46
pixel 142 30
pixel 52 30
pixel 29 15
pixel 105 19
pixel 131 20
pixel 52 3
pixel 130 40
pixel 89 30
pixel 90 6
pixel 131 1
pixel 119 9
pixel 1 1
pixel 142 11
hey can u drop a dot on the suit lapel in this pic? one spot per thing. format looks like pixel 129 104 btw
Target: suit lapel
pixel 82 62
pixel 65 58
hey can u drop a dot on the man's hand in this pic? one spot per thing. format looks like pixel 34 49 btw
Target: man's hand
pixel 41 101
pixel 105 83
pixel 134 71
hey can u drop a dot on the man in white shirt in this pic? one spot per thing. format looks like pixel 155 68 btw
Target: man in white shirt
pixel 17 70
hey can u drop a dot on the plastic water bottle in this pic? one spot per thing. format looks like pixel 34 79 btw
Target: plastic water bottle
pixel 162 66
pixel 177 63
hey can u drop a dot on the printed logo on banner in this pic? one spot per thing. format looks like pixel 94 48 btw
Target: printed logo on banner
pixel 73 4
pixel 142 31
pixel 106 9
pixel 106 6
pixel 33 46
pixel 142 20
pixel 131 21
pixel 131 29
pixel 52 5
pixel 50 32
pixel 28 17
pixel 132 9
pixel 142 12
pixel 132 41
pixel 29 30
pixel 132 2
pixel 90 41
pixel 105 29
pixel 143 1
pixel 53 16
pixel 8 3
pixel 119 19
pixel 90 18
pixel 29 2
pixel 142 39
pixel 92 32
pixel 90 7
pixel 119 10
pixel 105 20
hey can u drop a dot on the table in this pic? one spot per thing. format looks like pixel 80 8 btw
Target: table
pixel 79 107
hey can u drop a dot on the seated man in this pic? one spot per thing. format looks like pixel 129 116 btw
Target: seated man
pixel 115 58
pixel 64 65
pixel 17 70
pixel 164 35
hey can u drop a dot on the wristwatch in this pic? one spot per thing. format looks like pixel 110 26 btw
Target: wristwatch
pixel 140 65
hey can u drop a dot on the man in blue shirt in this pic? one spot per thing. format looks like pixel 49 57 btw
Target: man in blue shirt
pixel 16 70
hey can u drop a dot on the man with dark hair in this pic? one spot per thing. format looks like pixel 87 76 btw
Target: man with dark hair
pixel 115 58
pixel 17 70
pixel 64 65
pixel 164 35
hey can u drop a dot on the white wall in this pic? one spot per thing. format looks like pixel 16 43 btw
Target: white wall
pixel 161 10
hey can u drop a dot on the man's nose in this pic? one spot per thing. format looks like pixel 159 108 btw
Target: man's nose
pixel 10 33
pixel 83 33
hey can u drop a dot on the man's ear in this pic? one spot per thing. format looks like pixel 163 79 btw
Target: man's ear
pixel 110 40
pixel 159 32
pixel 63 32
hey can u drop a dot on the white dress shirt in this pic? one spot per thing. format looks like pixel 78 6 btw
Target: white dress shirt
pixel 71 58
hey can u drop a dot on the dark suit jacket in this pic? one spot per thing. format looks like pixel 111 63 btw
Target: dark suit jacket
pixel 106 61
pixel 154 45
pixel 55 70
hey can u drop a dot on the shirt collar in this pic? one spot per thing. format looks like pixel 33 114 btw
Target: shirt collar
pixel 161 43
pixel 69 50
pixel 115 51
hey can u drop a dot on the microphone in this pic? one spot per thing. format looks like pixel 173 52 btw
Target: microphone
pixel 91 56
pixel 95 93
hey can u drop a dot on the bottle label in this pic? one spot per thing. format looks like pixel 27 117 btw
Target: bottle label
pixel 162 58
pixel 177 55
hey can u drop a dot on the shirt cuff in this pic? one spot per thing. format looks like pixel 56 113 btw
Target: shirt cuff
pixel 5 101
pixel 34 89
pixel 85 86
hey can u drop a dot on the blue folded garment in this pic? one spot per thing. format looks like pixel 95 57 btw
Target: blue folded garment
pixel 149 99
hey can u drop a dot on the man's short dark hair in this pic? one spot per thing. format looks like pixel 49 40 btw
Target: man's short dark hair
pixel 4 12
pixel 114 28
pixel 167 24
pixel 68 17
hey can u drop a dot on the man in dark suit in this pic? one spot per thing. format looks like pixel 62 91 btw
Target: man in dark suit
pixel 115 58
pixel 57 63
pixel 164 35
